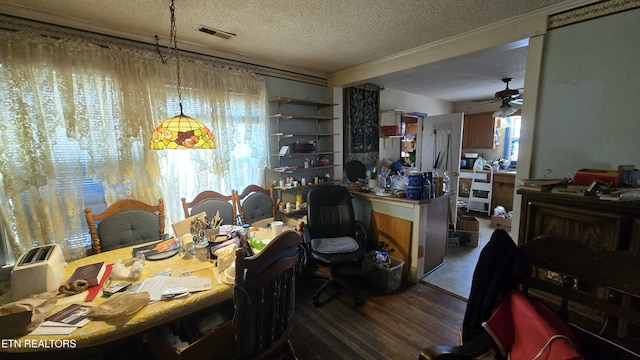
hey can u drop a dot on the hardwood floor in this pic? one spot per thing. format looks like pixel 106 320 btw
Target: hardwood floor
pixel 394 326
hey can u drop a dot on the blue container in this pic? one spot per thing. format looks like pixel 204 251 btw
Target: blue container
pixel 396 165
pixel 414 192
pixel 415 180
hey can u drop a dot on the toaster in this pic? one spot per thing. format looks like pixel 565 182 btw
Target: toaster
pixel 41 269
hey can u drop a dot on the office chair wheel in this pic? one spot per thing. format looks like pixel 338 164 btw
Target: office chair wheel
pixel 359 302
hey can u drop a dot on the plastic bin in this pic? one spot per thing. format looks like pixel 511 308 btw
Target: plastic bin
pixel 384 278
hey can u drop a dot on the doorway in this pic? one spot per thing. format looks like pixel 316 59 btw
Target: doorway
pixel 456 274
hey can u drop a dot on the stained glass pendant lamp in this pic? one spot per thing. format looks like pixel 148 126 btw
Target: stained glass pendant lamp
pixel 181 131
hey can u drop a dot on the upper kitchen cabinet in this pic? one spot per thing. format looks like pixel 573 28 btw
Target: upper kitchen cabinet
pixel 479 131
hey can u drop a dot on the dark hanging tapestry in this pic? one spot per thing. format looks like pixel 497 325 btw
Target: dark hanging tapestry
pixel 361 140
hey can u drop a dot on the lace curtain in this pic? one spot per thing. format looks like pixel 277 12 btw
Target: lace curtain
pixel 72 112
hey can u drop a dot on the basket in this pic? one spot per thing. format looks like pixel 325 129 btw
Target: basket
pixel 355 186
pixel 383 278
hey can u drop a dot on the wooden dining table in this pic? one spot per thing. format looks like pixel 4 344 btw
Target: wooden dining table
pixel 98 334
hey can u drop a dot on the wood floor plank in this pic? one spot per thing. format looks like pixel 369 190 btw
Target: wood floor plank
pixel 394 326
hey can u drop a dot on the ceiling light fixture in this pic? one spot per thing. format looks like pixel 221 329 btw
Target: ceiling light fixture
pixel 181 131
pixel 505 110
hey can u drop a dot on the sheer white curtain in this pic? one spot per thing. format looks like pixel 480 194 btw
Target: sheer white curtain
pixel 77 116
pixel 236 103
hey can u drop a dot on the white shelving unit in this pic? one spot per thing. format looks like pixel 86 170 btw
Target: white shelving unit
pixel 307 128
pixel 303 122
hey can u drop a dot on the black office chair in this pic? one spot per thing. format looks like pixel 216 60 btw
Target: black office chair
pixel 334 238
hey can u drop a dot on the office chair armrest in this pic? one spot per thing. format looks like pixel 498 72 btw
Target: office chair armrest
pixel 471 350
pixel 362 236
pixel 305 246
pixel 306 236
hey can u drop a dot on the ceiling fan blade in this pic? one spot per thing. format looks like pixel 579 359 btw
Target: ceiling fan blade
pixel 517 102
pixel 492 100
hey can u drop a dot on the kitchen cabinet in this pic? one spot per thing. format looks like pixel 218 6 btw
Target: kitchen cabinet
pixel 479 131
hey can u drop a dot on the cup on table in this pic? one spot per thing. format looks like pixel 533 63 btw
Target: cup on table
pixel 276 227
pixel 187 245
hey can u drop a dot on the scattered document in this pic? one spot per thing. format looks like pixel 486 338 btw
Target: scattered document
pixel 65 321
pixel 158 285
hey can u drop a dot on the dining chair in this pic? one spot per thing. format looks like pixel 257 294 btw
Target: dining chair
pixel 212 202
pixel 334 239
pixel 264 297
pixel 255 203
pixel 124 223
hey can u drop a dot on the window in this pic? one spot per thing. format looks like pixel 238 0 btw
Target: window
pixel 512 138
pixel 76 134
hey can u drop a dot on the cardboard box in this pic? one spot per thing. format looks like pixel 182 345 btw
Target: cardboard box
pixel 500 223
pixel 468 223
pixel 464 238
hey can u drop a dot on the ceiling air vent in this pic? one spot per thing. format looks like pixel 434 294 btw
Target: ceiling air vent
pixel 215 32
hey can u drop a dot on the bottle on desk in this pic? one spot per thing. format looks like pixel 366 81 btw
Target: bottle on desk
pixel 298 200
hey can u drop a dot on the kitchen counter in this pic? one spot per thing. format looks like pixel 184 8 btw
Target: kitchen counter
pixel 505 172
pixel 416 230
pixel 372 195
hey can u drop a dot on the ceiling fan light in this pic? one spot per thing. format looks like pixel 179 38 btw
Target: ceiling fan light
pixel 504 111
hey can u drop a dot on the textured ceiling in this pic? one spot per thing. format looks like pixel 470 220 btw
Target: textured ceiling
pixel 314 37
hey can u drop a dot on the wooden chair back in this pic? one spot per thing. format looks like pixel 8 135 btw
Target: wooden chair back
pixel 126 222
pixel 264 296
pixel 255 203
pixel 211 202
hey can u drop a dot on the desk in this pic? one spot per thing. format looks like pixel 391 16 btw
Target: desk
pixel 97 333
pixel 416 229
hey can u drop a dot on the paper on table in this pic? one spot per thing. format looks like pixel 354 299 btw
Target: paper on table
pixel 53 330
pixel 157 284
pixel 56 328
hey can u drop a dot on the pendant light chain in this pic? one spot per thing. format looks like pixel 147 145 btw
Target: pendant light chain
pixel 174 40
pixel 181 131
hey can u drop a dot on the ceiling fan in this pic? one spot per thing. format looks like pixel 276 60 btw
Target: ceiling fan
pixel 509 99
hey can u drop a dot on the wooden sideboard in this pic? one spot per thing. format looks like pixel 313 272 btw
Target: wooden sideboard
pixel 601 224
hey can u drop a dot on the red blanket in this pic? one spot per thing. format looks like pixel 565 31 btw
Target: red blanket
pixel 527 329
